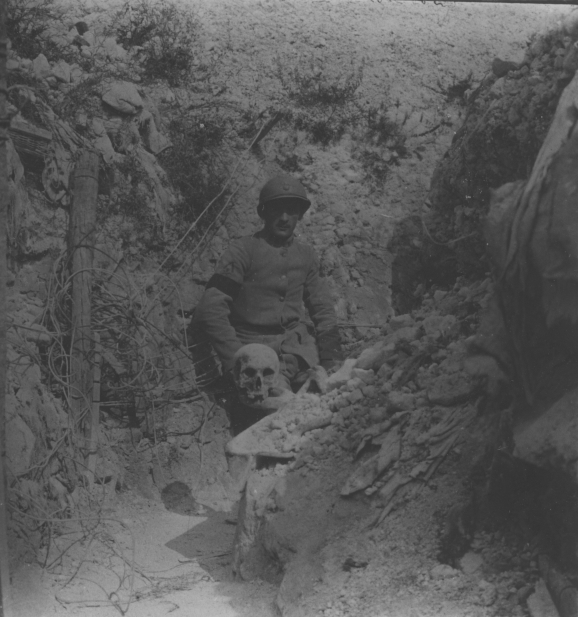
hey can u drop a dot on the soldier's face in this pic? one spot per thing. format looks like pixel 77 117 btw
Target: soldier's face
pixel 281 218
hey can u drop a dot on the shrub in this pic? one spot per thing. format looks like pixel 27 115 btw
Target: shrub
pixel 130 202
pixel 383 142
pixel 195 166
pixel 322 103
pixel 163 36
pixel 26 23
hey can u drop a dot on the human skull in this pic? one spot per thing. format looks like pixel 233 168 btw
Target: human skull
pixel 255 371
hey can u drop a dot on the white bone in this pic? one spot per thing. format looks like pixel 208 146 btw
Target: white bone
pixel 255 371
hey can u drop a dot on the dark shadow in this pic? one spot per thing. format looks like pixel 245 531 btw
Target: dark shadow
pixel 210 543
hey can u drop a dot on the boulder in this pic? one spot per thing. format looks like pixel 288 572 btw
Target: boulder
pixel 471 562
pixel 154 141
pixel 540 603
pixel 374 357
pixel 41 67
pixel 406 334
pixel 401 321
pixel 400 401
pixel 61 70
pixel 113 50
pixel 448 390
pixel 551 440
pixel 123 96
pixel 20 445
pixel 76 73
pixel 502 67
pixel 342 376
pixel 443 324
pixel 103 144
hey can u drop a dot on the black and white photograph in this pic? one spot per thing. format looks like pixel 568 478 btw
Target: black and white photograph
pixel 288 308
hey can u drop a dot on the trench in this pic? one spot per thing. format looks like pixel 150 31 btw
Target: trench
pixel 450 525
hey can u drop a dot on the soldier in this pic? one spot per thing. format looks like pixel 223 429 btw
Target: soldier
pixel 260 286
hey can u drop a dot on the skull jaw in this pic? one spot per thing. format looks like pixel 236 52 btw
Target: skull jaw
pixel 252 397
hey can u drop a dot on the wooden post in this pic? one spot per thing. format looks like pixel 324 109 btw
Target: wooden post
pixel 95 410
pixel 5 604
pixel 82 227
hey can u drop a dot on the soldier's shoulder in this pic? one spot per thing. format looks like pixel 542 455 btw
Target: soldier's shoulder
pixel 242 242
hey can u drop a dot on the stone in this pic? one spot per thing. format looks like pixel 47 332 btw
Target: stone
pixel 497 89
pixel 445 324
pixel 103 144
pixel 354 383
pixel 113 50
pixel 488 368
pixel 97 126
pixel 400 401
pixel 524 593
pixel 367 376
pixel 442 571
pixel 12 64
pixel 502 67
pixel 161 199
pixel 377 414
pixel 90 37
pixel 20 444
pixel 41 67
pixel 61 70
pixel 36 333
pixel 355 396
pixel 487 594
pixel 342 376
pixel 401 321
pixel 374 357
pixel 384 371
pixel 76 73
pixel 403 335
pixel 154 141
pixel 471 562
pixel 448 390
pixel 123 96
pixel 369 391
pixel 551 440
pixel 540 603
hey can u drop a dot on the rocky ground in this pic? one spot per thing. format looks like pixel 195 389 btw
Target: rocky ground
pixel 374 512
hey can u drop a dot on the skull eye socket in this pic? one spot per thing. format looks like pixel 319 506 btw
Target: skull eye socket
pixel 249 372
pixel 268 372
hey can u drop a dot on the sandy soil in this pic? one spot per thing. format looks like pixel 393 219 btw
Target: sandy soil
pixel 407 47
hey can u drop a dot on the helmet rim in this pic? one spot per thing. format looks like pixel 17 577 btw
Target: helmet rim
pixel 283 187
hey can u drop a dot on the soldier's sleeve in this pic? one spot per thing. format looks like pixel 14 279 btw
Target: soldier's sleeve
pixel 213 311
pixel 318 303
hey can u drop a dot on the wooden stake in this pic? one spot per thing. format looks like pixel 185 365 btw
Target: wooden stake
pixel 82 227
pixel 95 410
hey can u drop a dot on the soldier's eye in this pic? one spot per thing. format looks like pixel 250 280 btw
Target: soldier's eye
pixel 250 372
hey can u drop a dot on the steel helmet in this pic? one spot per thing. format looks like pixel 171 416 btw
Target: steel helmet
pixel 282 187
